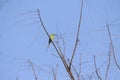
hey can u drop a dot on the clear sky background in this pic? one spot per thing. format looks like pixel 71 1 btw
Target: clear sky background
pixel 22 36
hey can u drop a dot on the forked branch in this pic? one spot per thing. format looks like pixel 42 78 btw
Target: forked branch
pixel 96 70
pixel 112 46
pixel 58 52
pixel 32 66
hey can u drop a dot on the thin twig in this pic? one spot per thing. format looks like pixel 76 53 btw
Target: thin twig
pixel 35 76
pixel 82 77
pixel 112 46
pixel 94 76
pixel 109 60
pixel 80 64
pixel 55 72
pixel 78 75
pixel 111 41
pixel 76 42
pixel 58 52
pixel 96 70
pixel 17 78
pixel 60 37
pixel 63 41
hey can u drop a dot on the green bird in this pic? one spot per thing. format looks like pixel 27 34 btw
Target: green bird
pixel 52 36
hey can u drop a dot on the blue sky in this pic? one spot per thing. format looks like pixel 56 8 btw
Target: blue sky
pixel 22 36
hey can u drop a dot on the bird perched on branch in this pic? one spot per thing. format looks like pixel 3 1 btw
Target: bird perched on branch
pixel 52 36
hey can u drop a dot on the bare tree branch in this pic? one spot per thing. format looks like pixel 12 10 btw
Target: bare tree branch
pixel 78 75
pixel 80 64
pixel 32 66
pixel 17 78
pixel 76 42
pixel 96 70
pixel 58 52
pixel 82 77
pixel 112 46
pixel 109 60
pixel 55 72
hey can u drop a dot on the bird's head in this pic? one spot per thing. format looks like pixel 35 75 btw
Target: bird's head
pixel 53 34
